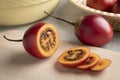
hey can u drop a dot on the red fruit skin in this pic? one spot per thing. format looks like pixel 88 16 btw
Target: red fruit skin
pixel 118 1
pixel 94 30
pixel 102 5
pixel 116 8
pixel 30 40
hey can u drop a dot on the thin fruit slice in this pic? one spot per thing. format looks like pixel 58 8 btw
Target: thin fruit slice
pixel 90 62
pixel 101 65
pixel 74 56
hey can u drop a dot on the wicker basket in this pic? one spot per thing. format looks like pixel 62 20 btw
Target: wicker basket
pixel 112 17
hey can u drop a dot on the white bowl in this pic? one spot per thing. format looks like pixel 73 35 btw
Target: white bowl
pixel 18 12
pixel 113 18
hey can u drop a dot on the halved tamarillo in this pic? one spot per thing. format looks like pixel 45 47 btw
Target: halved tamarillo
pixel 90 62
pixel 40 40
pixel 101 65
pixel 74 56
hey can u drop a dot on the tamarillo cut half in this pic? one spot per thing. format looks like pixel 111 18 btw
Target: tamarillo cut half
pixel 40 40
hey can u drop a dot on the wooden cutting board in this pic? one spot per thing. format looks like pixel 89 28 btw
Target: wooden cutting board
pixel 17 64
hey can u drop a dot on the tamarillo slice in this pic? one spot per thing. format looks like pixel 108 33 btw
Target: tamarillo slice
pixel 90 62
pixel 74 56
pixel 101 65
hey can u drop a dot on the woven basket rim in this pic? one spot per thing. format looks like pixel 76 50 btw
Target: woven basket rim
pixel 81 4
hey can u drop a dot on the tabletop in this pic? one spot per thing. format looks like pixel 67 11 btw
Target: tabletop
pixel 69 12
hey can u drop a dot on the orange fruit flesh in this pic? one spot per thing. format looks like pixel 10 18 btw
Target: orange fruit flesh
pixel 90 62
pixel 84 56
pixel 101 65
pixel 46 42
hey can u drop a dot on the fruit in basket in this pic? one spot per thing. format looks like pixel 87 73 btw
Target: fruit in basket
pixel 40 40
pixel 90 62
pixel 101 65
pixel 74 56
pixel 102 5
pixel 116 7
pixel 92 30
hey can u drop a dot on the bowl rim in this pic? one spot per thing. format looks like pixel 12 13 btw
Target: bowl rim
pixel 25 6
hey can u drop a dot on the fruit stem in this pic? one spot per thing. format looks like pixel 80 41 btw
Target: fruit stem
pixel 20 40
pixel 60 18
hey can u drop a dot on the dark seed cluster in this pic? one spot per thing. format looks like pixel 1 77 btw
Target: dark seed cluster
pixel 47 40
pixel 89 60
pixel 73 55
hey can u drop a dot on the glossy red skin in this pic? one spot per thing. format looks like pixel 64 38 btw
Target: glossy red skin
pixel 116 8
pixel 102 5
pixel 118 1
pixel 94 30
pixel 30 40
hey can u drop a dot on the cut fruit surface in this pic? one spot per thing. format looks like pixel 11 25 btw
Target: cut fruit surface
pixel 90 62
pixel 74 56
pixel 101 65
pixel 41 40
pixel 48 40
